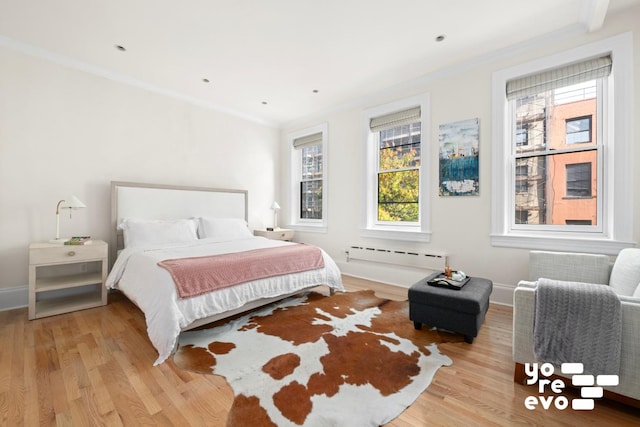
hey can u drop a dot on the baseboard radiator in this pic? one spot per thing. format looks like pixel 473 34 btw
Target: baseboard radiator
pixel 427 260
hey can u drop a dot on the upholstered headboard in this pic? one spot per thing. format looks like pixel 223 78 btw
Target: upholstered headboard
pixel 158 201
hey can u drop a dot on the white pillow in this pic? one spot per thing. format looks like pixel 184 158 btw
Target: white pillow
pixel 223 228
pixel 625 274
pixel 141 232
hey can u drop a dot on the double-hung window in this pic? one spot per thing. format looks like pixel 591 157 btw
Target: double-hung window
pixel 308 188
pixel 562 140
pixel 395 178
pixel 556 106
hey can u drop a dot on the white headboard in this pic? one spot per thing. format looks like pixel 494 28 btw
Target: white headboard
pixel 157 201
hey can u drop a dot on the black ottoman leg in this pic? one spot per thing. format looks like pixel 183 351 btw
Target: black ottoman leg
pixel 468 339
pixel 417 325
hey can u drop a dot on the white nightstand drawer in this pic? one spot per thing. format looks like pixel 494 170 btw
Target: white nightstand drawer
pixel 50 253
pixel 279 234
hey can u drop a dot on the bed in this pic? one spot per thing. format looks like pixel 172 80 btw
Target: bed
pixel 163 224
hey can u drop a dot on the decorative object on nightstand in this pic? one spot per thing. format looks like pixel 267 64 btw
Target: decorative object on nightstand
pixel 79 240
pixel 276 208
pixel 71 202
pixel 278 234
pixel 66 278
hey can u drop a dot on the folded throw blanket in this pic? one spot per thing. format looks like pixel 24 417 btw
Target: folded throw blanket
pixel 578 322
pixel 198 275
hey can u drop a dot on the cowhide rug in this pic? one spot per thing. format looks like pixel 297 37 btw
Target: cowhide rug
pixel 351 359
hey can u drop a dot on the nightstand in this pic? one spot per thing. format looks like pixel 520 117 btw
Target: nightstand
pixel 64 278
pixel 277 234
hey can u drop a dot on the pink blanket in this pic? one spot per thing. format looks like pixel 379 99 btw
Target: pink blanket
pixel 198 275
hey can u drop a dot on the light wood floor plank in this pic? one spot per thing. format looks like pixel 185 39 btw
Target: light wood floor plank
pixel 95 367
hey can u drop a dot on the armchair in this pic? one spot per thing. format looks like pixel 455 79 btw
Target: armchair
pixel 623 276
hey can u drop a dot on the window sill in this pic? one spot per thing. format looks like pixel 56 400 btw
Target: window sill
pixel 563 244
pixel 396 234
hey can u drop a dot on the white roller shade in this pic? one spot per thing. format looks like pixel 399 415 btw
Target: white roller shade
pixel 559 77
pixel 303 141
pixel 394 119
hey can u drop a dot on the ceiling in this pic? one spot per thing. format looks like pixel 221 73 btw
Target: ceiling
pixel 275 61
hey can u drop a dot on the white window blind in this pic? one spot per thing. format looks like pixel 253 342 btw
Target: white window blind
pixel 579 72
pixel 395 119
pixel 307 140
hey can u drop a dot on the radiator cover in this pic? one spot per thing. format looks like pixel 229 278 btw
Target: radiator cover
pixel 428 260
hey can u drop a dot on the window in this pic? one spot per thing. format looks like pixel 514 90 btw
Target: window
pixel 578 180
pixel 522 183
pixel 395 176
pixel 567 187
pixel 522 135
pixel 308 178
pixel 399 173
pixel 578 130
pixel 539 164
pixel 310 197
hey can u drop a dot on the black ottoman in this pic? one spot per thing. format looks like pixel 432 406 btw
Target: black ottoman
pixel 460 311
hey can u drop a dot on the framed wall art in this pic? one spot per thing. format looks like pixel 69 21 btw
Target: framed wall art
pixel 458 159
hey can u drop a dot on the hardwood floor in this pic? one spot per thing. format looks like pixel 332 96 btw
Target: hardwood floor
pixel 94 367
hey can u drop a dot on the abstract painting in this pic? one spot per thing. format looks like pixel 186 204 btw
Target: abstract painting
pixel 459 166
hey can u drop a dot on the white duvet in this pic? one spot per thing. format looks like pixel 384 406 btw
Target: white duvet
pixel 152 289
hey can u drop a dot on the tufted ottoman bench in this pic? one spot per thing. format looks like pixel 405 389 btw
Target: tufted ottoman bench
pixel 460 311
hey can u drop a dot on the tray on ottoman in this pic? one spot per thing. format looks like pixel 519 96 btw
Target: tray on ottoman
pixel 461 310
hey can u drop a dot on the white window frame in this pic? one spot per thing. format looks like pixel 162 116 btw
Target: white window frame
pixel 416 231
pixel 617 198
pixel 295 176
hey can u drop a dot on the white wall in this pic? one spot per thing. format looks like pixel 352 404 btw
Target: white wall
pixel 65 131
pixel 460 225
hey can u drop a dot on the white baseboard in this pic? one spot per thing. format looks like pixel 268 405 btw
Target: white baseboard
pixel 501 294
pixel 11 298
pixel 357 276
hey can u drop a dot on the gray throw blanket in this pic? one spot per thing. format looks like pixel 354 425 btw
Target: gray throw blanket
pixel 578 322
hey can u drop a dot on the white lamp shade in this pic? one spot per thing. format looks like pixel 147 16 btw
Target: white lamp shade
pixel 72 202
pixel 275 206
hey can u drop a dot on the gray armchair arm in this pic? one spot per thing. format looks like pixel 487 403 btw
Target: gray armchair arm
pixel 523 314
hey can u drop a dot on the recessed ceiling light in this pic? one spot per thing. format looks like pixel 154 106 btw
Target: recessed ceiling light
pixel 121 48
pixel 264 102
pixel 205 80
pixel 440 38
pixel 316 91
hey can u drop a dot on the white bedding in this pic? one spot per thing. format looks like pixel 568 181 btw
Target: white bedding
pixel 151 287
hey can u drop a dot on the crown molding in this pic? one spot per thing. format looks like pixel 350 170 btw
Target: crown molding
pixel 63 60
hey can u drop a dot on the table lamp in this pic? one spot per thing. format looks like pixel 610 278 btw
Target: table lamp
pixel 276 208
pixel 71 202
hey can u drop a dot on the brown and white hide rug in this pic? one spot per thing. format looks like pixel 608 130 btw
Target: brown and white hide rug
pixel 350 359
